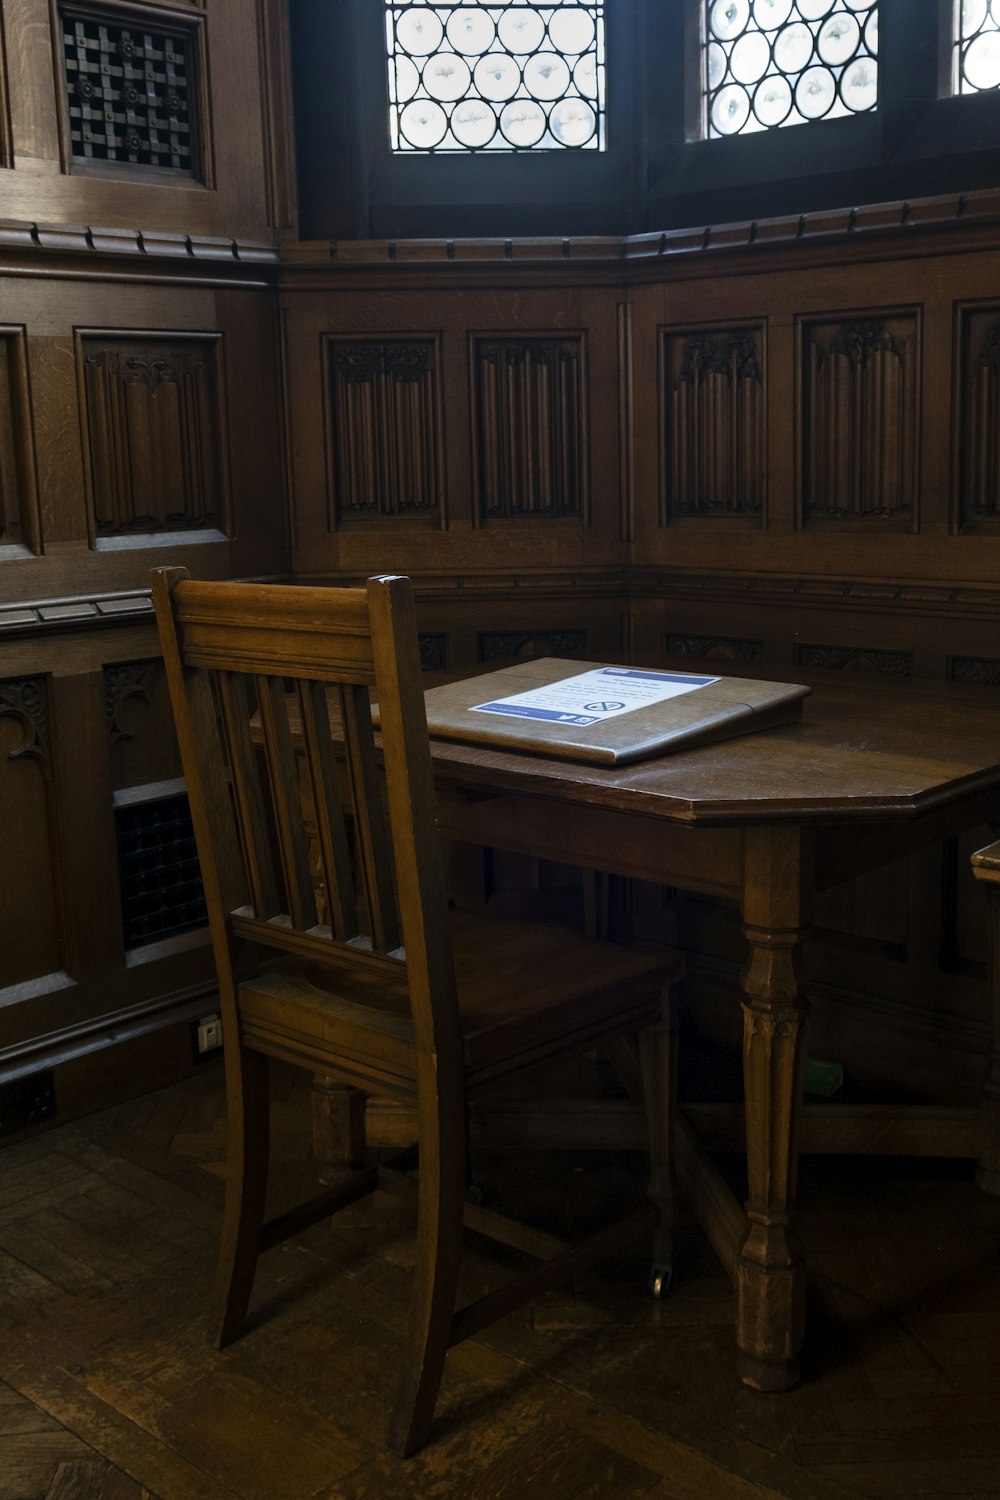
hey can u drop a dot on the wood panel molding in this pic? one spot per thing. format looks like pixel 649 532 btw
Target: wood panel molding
pixel 385 441
pixel 48 616
pixel 859 419
pixel 155 244
pixel 24 700
pixel 153 409
pixel 855 659
pixel 725 648
pixel 123 682
pixel 20 531
pixel 507 645
pixel 894 596
pixel 6 136
pixel 530 426
pixel 977 431
pixel 712 402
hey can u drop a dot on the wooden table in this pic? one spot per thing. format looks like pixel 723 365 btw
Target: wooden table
pixel 875 770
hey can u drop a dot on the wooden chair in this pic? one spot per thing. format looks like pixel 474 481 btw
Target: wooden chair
pixel 986 867
pixel 393 993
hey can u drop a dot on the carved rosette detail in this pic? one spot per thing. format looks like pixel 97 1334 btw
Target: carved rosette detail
pixel 860 419
pixel 530 423
pixel 715 423
pixel 124 681
pixel 24 699
pixel 155 434
pixel 855 659
pixel 979 498
pixel 507 645
pixel 725 648
pixel 384 404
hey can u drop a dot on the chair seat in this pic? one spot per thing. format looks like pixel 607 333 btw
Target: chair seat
pixel 524 991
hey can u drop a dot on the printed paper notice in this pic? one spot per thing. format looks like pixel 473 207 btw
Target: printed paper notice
pixel 594 696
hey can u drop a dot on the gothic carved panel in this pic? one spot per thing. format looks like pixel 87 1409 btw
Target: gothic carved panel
pixel 982 671
pixel 17 501
pixel 713 426
pixel 527 645
pixel 855 659
pixel 131 90
pixel 384 412
pixel 979 419
pixel 142 747
pixel 725 648
pixel 530 426
pixel 29 933
pixel 860 379
pixel 154 417
pixel 433 652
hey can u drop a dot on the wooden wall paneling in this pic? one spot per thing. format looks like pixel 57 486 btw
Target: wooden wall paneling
pixel 976 416
pixel 6 146
pixel 20 533
pixel 153 413
pixel 140 725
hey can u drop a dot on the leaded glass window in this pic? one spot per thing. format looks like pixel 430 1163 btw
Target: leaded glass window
pixel 468 75
pixel 769 63
pixel 977 46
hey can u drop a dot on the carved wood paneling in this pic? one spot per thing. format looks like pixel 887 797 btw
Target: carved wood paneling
pixel 713 425
pixel 726 648
pixel 434 652
pixel 6 149
pixel 978 435
pixel 983 671
pixel 17 502
pixel 530 426
pixel 503 645
pixel 155 432
pixel 141 744
pixel 855 659
pixel 29 933
pixel 860 378
pixel 131 90
pixel 384 411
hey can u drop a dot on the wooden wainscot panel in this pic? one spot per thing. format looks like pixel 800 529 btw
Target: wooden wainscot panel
pixel 141 743
pixel 530 426
pixel 859 420
pixel 977 427
pixel 19 529
pixel 385 442
pixel 133 100
pixel 155 432
pixel 30 939
pixel 712 424
pixel 529 645
pixel 717 647
pixel 6 146
pixel 854 659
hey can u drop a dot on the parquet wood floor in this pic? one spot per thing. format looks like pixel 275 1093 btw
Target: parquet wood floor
pixel 109 1392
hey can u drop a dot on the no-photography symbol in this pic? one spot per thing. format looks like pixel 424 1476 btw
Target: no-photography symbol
pixel 602 708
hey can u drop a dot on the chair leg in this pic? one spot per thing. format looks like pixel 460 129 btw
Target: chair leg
pixel 246 1190
pixel 435 1281
pixel 657 1056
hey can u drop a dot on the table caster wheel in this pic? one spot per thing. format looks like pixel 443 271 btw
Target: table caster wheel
pixel 659 1280
pixel 474 1194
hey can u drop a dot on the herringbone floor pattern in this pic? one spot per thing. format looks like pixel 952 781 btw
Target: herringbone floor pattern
pixel 107 1234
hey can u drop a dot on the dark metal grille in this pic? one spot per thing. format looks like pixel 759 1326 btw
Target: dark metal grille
pixel 769 63
pixel 467 75
pixel 130 93
pixel 977 46
pixel 161 890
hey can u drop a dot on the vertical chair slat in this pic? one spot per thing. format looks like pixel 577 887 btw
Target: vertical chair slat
pixel 331 832
pixel 246 789
pixel 287 801
pixel 371 834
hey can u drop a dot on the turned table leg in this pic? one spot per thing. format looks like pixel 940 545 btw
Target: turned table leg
pixel 338 1126
pixel 770 1273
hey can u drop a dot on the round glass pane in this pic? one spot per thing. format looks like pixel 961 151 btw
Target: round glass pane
pixel 815 92
pixel 572 122
pixel 521 31
pixel 773 100
pixel 727 18
pixel 769 14
pixel 750 57
pixel 814 10
pixel 859 84
pixel 730 109
pixel 497 76
pixel 546 76
pixel 571 31
pixel 859 4
pixel 871 33
pixel 838 38
pixel 793 48
pixel 470 32
pixel 523 122
pixel 981 63
pixel 419 32
pixel 446 76
pixel 585 75
pixel 473 123
pixel 715 65
pixel 423 124
pixel 407 80
pixel 973 16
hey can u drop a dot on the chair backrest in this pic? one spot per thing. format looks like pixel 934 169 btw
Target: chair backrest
pixel 255 668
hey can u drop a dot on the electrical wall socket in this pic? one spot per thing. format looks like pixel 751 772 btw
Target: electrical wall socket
pixel 208 1035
